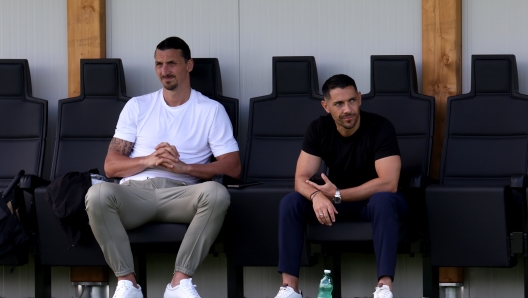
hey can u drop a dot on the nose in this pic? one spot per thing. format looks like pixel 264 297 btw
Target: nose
pixel 164 69
pixel 347 108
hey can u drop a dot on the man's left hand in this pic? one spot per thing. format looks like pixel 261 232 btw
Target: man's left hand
pixel 172 161
pixel 328 189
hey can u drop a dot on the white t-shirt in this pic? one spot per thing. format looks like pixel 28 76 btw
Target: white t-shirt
pixel 198 128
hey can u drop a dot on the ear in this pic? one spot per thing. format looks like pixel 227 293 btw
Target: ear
pixel 325 105
pixel 190 65
pixel 359 98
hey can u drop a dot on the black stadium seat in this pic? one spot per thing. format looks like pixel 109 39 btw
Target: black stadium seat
pixel 477 211
pixel 85 127
pixel 277 123
pixel 206 78
pixel 23 127
pixel 393 95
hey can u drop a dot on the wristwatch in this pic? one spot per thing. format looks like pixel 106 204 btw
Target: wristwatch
pixel 337 197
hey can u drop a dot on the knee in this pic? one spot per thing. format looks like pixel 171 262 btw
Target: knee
pixel 98 196
pixel 382 201
pixel 216 193
pixel 292 201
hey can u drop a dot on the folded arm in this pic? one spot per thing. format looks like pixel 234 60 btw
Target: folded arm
pixel 118 162
pixel 388 170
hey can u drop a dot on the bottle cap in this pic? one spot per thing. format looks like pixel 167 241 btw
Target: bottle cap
pixel 327 271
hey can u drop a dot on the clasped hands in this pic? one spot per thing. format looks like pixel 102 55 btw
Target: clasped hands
pixel 323 206
pixel 167 156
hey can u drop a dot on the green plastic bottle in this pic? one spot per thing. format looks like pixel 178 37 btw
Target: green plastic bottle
pixel 326 286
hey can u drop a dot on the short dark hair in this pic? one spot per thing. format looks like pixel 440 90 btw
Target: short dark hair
pixel 176 43
pixel 340 81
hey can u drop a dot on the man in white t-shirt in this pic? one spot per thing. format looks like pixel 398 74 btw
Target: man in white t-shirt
pixel 162 149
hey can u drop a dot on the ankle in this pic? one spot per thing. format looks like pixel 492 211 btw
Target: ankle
pixel 385 281
pixel 130 277
pixel 290 281
pixel 178 276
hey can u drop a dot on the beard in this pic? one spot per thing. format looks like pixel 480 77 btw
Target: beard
pixel 349 125
pixel 169 86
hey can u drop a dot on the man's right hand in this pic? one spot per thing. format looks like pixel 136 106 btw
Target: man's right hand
pixel 324 209
pixel 164 155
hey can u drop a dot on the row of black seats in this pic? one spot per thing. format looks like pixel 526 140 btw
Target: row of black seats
pixel 472 215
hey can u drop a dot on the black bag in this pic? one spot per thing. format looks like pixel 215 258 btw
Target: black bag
pixel 13 237
pixel 65 196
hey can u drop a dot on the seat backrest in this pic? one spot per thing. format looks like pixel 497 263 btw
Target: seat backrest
pixel 86 123
pixel 277 122
pixel 206 78
pixel 23 122
pixel 393 95
pixel 486 134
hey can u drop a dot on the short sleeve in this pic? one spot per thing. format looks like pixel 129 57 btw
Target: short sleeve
pixel 386 143
pixel 126 128
pixel 311 141
pixel 221 138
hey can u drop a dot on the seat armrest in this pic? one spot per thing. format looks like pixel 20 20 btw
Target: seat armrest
pixel 226 180
pixel 13 184
pixel 519 181
pixel 30 182
pixel 420 181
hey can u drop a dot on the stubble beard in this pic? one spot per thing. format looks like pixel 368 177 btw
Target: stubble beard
pixel 353 124
pixel 171 87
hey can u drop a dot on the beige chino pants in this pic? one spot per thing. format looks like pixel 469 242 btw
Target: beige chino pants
pixel 115 208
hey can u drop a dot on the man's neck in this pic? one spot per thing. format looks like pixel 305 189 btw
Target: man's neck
pixel 177 97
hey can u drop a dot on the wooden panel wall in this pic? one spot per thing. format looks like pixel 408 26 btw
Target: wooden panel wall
pixel 86 37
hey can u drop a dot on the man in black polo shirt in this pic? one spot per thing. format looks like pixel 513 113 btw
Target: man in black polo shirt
pixel 362 154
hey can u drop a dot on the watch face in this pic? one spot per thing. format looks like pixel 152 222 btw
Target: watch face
pixel 337 199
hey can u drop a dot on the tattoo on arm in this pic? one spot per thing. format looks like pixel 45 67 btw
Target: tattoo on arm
pixel 121 146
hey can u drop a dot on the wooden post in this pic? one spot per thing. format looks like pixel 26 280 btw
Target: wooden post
pixel 89 274
pixel 86 37
pixel 441 62
pixel 451 275
pixel 442 77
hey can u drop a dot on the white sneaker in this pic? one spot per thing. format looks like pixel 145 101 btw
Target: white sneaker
pixel 288 292
pixel 383 292
pixel 125 289
pixel 185 290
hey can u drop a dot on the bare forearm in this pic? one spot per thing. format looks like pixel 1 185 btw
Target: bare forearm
pixel 117 165
pixel 228 164
pixel 367 189
pixel 304 188
pixel 207 171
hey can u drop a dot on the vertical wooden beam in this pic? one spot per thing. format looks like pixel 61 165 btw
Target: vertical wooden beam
pixel 442 76
pixel 451 274
pixel 86 37
pixel 441 62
